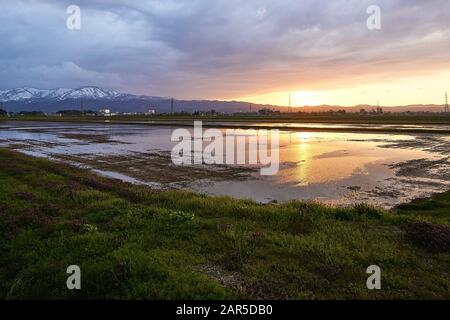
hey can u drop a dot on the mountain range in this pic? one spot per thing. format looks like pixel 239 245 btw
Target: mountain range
pixel 94 98
pixel 61 94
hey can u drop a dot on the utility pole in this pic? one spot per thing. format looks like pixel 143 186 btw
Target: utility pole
pixel 171 106
pixel 81 107
pixel 447 110
pixel 290 103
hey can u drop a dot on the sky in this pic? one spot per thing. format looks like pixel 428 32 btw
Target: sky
pixel 253 50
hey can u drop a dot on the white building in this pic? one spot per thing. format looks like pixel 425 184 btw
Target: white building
pixel 105 112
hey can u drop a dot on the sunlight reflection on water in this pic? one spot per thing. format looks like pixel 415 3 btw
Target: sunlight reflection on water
pixel 332 167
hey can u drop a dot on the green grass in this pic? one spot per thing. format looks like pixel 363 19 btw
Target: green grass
pixel 387 118
pixel 135 243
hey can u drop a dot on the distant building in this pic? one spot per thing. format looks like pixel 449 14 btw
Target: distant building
pixel 211 112
pixel 267 111
pixel 31 113
pixel 150 112
pixel 105 112
pixel 77 113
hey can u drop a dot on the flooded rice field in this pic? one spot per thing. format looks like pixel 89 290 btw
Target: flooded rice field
pixel 340 168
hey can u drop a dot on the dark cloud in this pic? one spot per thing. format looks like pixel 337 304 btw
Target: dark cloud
pixel 219 48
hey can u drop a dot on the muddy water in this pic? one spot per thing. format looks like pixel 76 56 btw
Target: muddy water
pixel 339 168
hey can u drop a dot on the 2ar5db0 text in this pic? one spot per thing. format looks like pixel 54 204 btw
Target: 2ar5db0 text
pixel 231 309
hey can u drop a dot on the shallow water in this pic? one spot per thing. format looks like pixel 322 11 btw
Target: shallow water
pixel 338 168
pixel 318 125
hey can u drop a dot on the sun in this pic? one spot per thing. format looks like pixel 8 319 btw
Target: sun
pixel 305 98
pixel 303 135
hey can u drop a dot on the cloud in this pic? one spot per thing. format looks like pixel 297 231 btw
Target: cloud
pixel 50 76
pixel 220 48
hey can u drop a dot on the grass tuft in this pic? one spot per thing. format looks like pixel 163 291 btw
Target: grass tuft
pixel 428 235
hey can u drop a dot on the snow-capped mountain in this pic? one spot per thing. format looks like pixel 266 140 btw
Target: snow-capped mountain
pixel 56 93
pixel 27 99
pixel 90 93
pixel 90 97
pixel 60 94
pixel 22 94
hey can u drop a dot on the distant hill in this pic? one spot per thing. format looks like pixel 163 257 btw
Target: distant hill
pixel 368 108
pixel 94 98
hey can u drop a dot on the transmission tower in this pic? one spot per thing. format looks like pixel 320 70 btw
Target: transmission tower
pixel 446 103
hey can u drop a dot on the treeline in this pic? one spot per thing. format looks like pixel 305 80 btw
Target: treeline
pixel 4 113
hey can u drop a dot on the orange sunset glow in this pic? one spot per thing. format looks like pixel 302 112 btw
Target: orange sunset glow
pixel 426 89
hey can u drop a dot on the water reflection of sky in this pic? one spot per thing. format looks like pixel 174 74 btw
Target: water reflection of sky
pixel 320 125
pixel 313 165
